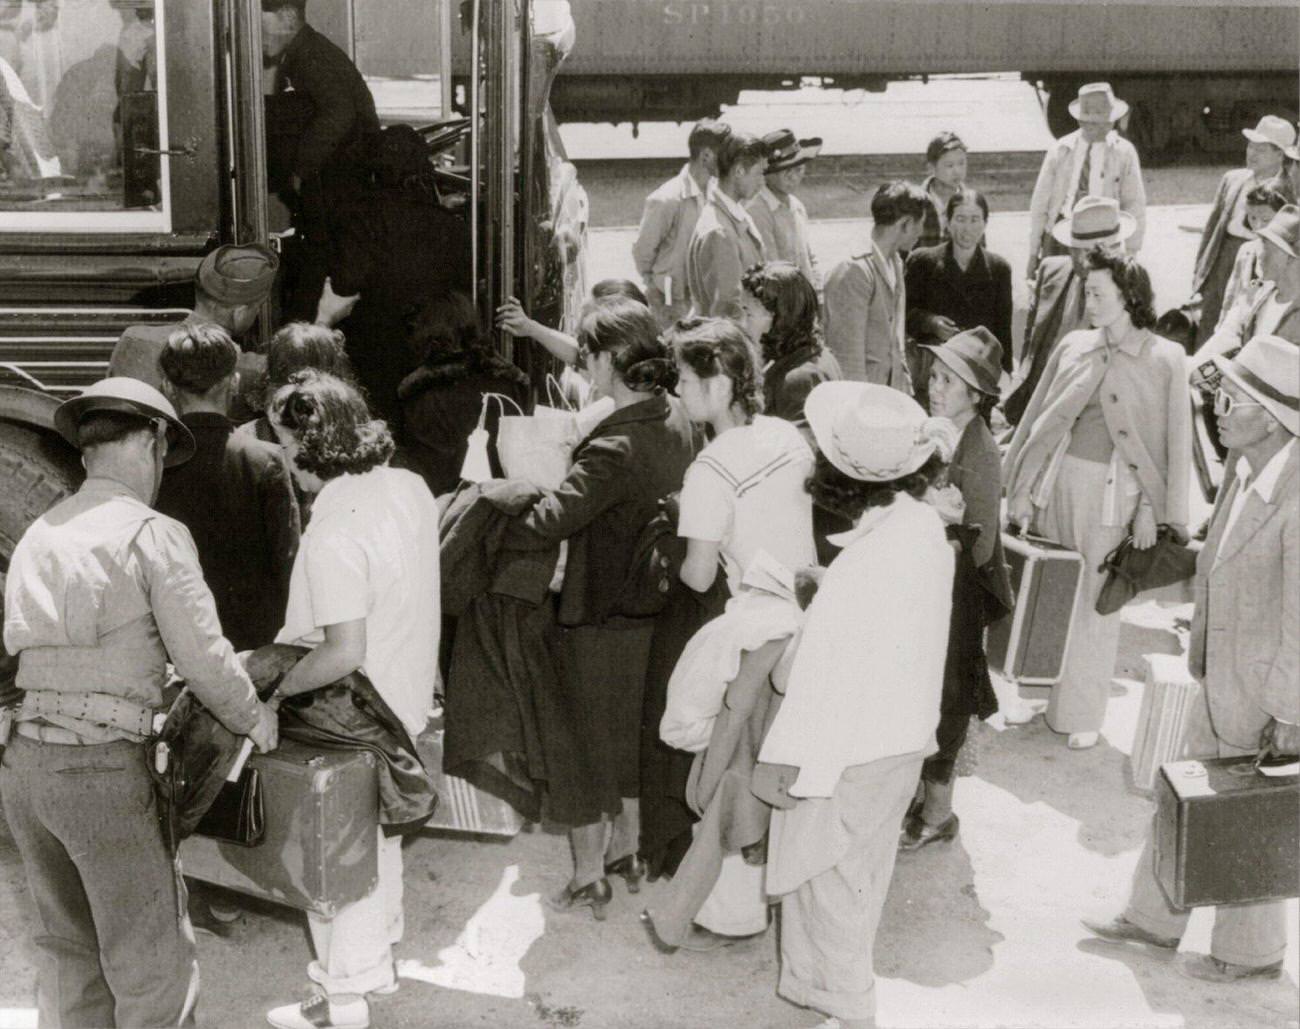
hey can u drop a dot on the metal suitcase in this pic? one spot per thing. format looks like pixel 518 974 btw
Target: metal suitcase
pixel 1167 700
pixel 321 846
pixel 1226 834
pixel 1029 644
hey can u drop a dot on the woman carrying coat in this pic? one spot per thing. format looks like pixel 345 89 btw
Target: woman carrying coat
pixel 1103 450
pixel 963 389
pixel 630 461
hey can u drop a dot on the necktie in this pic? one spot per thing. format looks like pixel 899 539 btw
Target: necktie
pixel 1084 187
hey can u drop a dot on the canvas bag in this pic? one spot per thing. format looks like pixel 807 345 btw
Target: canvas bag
pixel 538 448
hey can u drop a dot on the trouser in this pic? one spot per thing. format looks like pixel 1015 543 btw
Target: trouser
pixel 829 922
pixel 354 948
pixel 1244 934
pixel 737 904
pixel 115 946
pixel 1073 517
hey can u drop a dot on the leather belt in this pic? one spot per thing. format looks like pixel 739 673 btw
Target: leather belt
pixel 99 709
pixel 42 733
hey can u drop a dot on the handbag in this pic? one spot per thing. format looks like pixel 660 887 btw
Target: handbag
pixel 538 448
pixel 1131 571
pixel 238 814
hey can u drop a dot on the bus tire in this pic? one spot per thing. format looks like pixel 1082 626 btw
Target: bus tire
pixel 37 470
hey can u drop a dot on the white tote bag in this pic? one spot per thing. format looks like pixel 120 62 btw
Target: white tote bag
pixel 538 448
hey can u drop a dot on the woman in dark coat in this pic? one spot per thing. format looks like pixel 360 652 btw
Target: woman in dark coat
pixel 635 457
pixel 963 389
pixel 442 399
pixel 956 285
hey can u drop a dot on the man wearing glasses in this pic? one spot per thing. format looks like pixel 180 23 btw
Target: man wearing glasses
pixel 1244 647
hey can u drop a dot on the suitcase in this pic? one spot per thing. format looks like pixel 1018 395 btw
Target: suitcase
pixel 321 846
pixel 1167 701
pixel 1226 834
pixel 1029 644
pixel 462 806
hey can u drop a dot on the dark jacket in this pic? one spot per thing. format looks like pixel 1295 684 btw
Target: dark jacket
pixel 236 498
pixel 342 109
pixel 980 295
pixel 1055 311
pixel 789 379
pixel 976 470
pixel 632 459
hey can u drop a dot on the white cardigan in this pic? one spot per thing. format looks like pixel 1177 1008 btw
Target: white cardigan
pixel 868 676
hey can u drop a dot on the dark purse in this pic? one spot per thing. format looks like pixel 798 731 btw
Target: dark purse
pixel 1131 571
pixel 238 814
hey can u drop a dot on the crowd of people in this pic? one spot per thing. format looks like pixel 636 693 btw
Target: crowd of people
pixel 739 644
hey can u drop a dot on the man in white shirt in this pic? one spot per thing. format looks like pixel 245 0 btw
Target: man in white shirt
pixel 668 222
pixel 1092 161
pixel 1243 647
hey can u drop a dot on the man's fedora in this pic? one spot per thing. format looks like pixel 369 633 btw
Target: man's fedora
pixel 238 274
pixel 126 396
pixel 1272 129
pixel 784 151
pixel 1284 230
pixel 975 357
pixel 1095 221
pixel 1114 108
pixel 1268 368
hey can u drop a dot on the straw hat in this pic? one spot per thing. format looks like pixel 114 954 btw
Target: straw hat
pixel 126 396
pixel 873 433
pixel 1268 368
pixel 1095 221
pixel 1114 110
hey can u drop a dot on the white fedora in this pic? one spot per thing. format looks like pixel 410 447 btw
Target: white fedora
pixel 1094 222
pixel 1114 110
pixel 874 433
pixel 1268 368
pixel 1272 129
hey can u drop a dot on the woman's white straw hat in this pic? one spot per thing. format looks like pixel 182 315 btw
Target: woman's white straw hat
pixel 874 433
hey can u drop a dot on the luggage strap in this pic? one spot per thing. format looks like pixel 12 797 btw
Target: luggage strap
pixel 101 709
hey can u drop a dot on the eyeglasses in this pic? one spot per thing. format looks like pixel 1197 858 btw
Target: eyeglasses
pixel 1224 404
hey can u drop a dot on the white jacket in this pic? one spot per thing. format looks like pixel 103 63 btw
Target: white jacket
pixel 1121 178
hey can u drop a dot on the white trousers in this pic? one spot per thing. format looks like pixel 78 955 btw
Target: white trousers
pixel 737 905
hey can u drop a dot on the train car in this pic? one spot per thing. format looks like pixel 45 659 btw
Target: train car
pixel 1195 71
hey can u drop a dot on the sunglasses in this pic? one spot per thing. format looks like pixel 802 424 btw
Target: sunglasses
pixel 1224 404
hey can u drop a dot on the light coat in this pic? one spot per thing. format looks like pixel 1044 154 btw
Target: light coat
pixel 783 224
pixel 865 320
pixel 667 224
pixel 725 243
pixel 1244 644
pixel 1239 325
pixel 1122 181
pixel 1145 405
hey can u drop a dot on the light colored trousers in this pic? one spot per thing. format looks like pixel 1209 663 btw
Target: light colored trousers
pixel 737 905
pixel 829 922
pixel 354 949
pixel 1073 518
pixel 1244 934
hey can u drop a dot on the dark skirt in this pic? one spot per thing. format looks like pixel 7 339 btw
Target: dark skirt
pixel 600 689
pixel 1216 283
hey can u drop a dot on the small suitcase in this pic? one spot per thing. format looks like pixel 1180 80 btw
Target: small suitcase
pixel 321 846
pixel 462 806
pixel 1225 833
pixel 1167 701
pixel 1029 644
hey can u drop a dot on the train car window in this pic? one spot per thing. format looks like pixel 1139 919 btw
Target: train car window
pixel 82 116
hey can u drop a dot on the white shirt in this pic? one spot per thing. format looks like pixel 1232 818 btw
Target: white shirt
pixel 1263 485
pixel 1096 171
pixel 371 551
pixel 745 491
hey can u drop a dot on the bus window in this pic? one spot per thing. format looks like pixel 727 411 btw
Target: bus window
pixel 81 103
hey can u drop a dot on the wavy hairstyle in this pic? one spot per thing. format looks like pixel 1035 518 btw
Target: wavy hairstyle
pixel 626 330
pixel 841 494
pixel 718 346
pixel 790 298
pixel 300 345
pixel 332 425
pixel 1133 282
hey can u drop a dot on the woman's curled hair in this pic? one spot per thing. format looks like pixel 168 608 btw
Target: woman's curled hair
pixel 627 331
pixel 1133 282
pixel 328 418
pixel 790 298
pixel 718 346
pixel 841 494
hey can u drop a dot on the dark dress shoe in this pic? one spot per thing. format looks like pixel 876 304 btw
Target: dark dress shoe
pixel 656 940
pixel 631 869
pixel 1121 930
pixel 1210 969
pixel 916 834
pixel 594 895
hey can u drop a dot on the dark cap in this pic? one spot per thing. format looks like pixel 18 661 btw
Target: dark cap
pixel 785 151
pixel 238 274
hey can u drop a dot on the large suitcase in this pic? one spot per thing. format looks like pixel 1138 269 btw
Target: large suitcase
pixel 1168 698
pixel 1226 834
pixel 321 846
pixel 462 806
pixel 1029 644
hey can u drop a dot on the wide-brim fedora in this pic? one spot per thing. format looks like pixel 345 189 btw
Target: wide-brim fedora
pixel 1268 369
pixel 975 357
pixel 126 396
pixel 1283 230
pixel 1095 221
pixel 1118 107
pixel 785 151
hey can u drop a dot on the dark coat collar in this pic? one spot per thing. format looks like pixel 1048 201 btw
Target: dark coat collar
pixel 978 268
pixel 652 409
